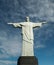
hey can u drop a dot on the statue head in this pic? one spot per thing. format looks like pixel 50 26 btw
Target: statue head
pixel 27 19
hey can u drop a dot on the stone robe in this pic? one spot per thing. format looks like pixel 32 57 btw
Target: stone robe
pixel 27 37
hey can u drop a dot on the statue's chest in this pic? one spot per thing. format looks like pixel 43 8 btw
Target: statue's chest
pixel 28 25
pixel 27 28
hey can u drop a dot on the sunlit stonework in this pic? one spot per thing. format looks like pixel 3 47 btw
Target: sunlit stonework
pixel 27 34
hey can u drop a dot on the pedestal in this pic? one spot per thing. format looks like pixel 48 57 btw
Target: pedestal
pixel 27 60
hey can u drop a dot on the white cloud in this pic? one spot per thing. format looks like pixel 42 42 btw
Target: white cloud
pixel 39 45
pixel 9 47
pixel 41 9
pixel 8 62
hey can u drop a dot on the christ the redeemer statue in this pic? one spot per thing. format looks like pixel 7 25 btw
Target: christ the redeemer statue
pixel 27 34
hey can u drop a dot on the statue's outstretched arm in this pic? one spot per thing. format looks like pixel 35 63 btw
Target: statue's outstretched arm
pixel 15 24
pixel 38 24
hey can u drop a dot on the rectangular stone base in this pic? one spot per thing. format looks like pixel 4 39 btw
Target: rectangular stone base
pixel 27 60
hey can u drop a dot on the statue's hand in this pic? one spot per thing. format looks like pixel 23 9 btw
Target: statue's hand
pixel 14 24
pixel 44 22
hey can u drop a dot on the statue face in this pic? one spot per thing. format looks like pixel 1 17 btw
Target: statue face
pixel 27 19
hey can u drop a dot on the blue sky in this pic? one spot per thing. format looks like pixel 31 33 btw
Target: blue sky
pixel 10 37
